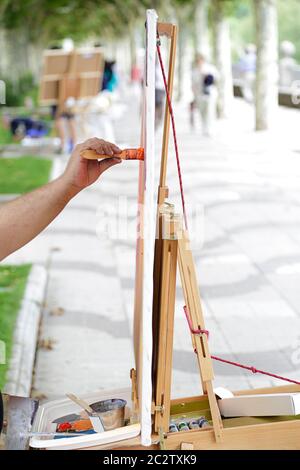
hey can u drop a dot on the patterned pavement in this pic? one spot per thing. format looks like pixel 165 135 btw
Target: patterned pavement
pixel 244 187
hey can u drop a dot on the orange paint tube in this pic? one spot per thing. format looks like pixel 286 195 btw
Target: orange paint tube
pixel 126 154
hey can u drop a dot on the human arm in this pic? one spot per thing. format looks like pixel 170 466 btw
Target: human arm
pixel 24 218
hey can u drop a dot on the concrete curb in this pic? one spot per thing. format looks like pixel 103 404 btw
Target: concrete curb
pixel 57 168
pixel 8 197
pixel 19 375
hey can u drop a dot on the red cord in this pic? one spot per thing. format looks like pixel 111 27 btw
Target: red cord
pixel 192 330
pixel 254 370
pixel 232 363
pixel 173 130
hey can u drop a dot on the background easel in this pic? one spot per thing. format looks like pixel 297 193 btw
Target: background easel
pixel 76 74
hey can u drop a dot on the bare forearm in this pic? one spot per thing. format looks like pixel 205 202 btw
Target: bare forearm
pixel 24 218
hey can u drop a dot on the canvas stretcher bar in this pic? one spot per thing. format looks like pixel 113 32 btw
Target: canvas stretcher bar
pixel 146 239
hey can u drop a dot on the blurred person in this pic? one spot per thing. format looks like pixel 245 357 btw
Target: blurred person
pixel 287 64
pixel 204 78
pixel 25 217
pixel 64 119
pixel 64 123
pixel 110 78
pixel 21 127
pixel 136 73
pixel 247 71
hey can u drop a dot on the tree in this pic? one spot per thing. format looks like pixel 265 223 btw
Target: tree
pixel 182 16
pixel 267 62
pixel 200 21
pixel 222 53
pixel 42 22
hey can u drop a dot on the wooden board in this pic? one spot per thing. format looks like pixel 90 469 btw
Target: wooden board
pixel 274 433
pixel 75 74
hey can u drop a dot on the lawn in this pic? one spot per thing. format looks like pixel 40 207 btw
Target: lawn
pixel 20 175
pixel 12 285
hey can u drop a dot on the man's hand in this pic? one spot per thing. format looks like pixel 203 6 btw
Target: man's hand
pixel 81 172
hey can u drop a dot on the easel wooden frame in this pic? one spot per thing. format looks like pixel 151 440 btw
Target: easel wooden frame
pixel 165 267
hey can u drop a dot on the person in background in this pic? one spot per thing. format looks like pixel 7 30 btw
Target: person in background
pixel 64 123
pixel 287 64
pixel 247 72
pixel 204 78
pixel 21 127
pixel 110 79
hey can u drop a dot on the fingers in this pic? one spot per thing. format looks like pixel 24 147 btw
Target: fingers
pixel 107 163
pixel 102 147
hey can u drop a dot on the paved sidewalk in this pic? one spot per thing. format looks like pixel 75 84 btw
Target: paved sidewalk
pixel 249 271
pixel 249 266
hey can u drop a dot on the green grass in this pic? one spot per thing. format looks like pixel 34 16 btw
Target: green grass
pixel 12 286
pixel 20 175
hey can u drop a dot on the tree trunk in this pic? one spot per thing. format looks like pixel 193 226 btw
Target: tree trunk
pixel 132 47
pixel 182 39
pixel 222 50
pixel 267 63
pixel 201 38
pixel 17 50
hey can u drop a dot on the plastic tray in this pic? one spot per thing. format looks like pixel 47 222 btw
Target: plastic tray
pixel 43 423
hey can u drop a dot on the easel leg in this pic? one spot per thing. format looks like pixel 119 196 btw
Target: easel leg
pixel 165 333
pixel 199 341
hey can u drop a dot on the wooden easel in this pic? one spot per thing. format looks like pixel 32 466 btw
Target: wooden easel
pixel 74 74
pixel 173 249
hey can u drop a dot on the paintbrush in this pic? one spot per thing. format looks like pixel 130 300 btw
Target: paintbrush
pixel 94 417
pixel 126 154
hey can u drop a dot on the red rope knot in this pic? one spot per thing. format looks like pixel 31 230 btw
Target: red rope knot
pixel 253 370
pixel 194 331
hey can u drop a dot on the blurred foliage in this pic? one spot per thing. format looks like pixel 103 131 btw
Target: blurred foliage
pixel 289 22
pixel 49 21
pixel 243 26
pixel 18 90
